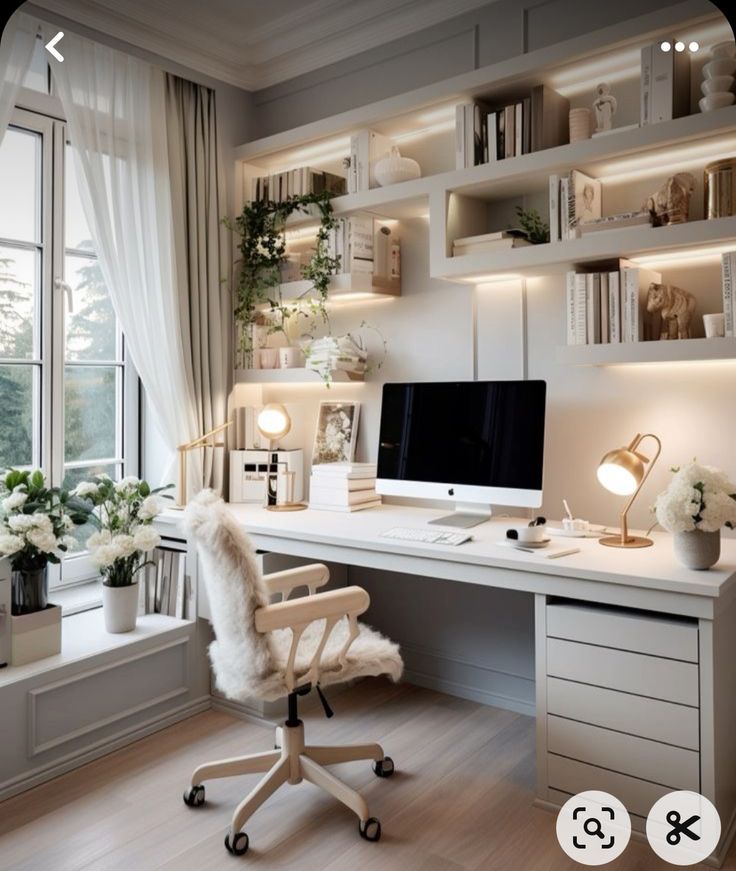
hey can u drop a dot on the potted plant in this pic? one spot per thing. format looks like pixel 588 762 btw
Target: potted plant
pixel 699 501
pixel 123 513
pixel 35 526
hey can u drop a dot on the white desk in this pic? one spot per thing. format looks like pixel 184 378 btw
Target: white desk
pixel 637 701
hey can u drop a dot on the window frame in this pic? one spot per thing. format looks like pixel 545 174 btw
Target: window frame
pixel 41 113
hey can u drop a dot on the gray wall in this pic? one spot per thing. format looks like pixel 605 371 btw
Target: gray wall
pixel 487 35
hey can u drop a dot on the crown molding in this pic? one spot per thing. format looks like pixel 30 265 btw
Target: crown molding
pixel 321 32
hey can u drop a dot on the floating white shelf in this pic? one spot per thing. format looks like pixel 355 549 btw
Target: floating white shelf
pixel 290 376
pixel 346 284
pixel 674 351
pixel 555 257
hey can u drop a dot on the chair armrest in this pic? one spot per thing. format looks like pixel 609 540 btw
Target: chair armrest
pixel 348 601
pixel 311 577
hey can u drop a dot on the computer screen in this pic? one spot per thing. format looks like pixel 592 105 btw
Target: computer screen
pixel 459 436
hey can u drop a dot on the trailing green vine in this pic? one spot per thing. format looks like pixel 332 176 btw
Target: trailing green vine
pixel 262 247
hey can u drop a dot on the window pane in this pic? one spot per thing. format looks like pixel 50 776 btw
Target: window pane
pixel 91 332
pixel 91 421
pixel 37 77
pixel 18 270
pixel 16 421
pixel 73 476
pixel 20 154
pixel 75 224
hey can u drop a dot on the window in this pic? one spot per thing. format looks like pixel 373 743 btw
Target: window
pixel 69 397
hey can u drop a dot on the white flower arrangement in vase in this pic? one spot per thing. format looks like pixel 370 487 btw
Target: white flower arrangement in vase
pixel 698 502
pixel 123 514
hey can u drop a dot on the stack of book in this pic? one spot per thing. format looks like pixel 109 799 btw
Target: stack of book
pixel 366 148
pixel 728 276
pixel 636 218
pixel 343 487
pixel 351 240
pixel 665 84
pixel 280 186
pixel 499 241
pixel 574 200
pixel 339 353
pixel 485 133
pixel 609 305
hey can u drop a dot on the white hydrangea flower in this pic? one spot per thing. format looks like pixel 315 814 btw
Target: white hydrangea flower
pixel 719 510
pixel 696 491
pixel 124 544
pixel 16 500
pixel 22 522
pixel 150 507
pixel 10 544
pixel 105 555
pixel 130 482
pixel 85 488
pixel 98 539
pixel 45 541
pixel 146 538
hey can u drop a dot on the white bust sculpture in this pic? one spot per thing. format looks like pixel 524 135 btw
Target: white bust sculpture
pixel 605 107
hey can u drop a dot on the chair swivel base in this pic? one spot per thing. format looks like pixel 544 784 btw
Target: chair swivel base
pixel 291 762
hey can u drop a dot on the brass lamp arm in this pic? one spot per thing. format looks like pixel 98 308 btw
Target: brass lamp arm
pixel 632 447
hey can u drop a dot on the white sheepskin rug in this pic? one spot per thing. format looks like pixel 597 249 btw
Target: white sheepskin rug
pixel 248 663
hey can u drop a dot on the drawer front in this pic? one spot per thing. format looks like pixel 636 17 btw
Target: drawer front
pixel 649 676
pixel 626 754
pixel 568 775
pixel 635 715
pixel 674 639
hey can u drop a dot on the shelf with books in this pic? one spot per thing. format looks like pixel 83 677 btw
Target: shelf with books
pixel 291 376
pixel 630 353
pixel 555 257
pixel 346 286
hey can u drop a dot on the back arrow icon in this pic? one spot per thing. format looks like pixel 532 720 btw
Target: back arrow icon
pixel 50 46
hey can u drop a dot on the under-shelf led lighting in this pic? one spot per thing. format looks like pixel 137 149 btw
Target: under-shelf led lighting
pixel 661 163
pixel 424 132
pixel 682 256
pixel 494 278
pixel 610 68
pixel 321 152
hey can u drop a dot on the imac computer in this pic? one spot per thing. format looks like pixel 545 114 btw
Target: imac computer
pixel 475 442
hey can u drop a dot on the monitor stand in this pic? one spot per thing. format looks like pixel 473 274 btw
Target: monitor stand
pixel 465 516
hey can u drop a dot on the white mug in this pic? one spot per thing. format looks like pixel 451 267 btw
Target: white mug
pixel 715 325
pixel 575 524
pixel 527 533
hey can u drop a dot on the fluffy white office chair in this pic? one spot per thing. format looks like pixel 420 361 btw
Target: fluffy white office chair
pixel 283 649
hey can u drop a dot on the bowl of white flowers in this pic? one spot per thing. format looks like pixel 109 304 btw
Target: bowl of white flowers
pixel 698 503
pixel 123 513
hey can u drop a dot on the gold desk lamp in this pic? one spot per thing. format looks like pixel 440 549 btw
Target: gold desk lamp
pixel 274 423
pixel 622 471
pixel 200 442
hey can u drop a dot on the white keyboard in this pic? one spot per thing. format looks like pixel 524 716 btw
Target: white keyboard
pixel 427 536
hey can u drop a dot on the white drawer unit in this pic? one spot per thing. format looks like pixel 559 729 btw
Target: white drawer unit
pixel 621 702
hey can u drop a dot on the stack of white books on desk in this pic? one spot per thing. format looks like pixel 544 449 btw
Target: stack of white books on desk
pixel 343 487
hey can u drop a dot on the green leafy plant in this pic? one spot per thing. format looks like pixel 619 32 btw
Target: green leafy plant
pixel 262 247
pixel 531 222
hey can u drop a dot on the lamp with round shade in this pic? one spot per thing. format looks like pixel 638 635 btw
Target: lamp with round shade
pixel 623 471
pixel 274 423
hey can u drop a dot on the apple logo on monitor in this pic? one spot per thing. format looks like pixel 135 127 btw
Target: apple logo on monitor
pixel 451 491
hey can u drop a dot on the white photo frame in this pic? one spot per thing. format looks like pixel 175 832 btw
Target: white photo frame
pixel 336 434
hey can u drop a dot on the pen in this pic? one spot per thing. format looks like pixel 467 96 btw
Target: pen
pixel 567 508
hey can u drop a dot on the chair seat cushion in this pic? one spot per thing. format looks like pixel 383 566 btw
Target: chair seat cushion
pixel 369 655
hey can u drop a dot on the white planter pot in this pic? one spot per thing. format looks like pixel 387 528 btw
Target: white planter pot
pixel 120 607
pixel 697 549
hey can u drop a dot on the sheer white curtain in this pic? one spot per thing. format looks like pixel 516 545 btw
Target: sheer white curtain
pixel 115 109
pixel 16 49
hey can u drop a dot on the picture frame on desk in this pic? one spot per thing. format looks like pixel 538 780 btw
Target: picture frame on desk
pixel 337 432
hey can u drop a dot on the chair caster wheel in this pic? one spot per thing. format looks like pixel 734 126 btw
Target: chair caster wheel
pixel 384 767
pixel 194 796
pixel 239 844
pixel 370 829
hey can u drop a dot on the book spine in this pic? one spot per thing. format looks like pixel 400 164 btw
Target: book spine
pixel 727 268
pixel 570 308
pixel 527 125
pixel 614 307
pixel 603 306
pixel 510 137
pixel 460 136
pixel 646 85
pixel 518 129
pixel 564 207
pixel 631 297
pixel 581 317
pixel 469 135
pixel 554 208
pixel 662 85
pixel 593 308
pixel 491 129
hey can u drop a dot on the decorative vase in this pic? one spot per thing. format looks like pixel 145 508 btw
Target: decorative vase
pixel 120 607
pixel 698 549
pixel 30 591
pixel 394 168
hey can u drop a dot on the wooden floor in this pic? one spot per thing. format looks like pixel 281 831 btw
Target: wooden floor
pixel 461 798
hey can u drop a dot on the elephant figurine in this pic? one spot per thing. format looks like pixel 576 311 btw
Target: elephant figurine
pixel 675 307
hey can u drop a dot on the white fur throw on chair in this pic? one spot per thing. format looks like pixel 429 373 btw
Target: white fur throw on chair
pixel 250 663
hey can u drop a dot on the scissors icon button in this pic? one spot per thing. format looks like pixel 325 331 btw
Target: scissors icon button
pixel 679 828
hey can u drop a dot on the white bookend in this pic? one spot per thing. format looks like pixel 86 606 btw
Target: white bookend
pixel 604 311
pixel 593 307
pixel 581 308
pixel 614 307
pixel 728 262
pixel 554 208
pixel 460 136
pixel 570 307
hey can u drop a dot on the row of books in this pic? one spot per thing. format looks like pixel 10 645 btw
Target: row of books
pixel 485 132
pixel 279 186
pixel 165 587
pixel 665 84
pixel 574 199
pixel 609 305
pixel 366 148
pixel 728 284
pixel 343 487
